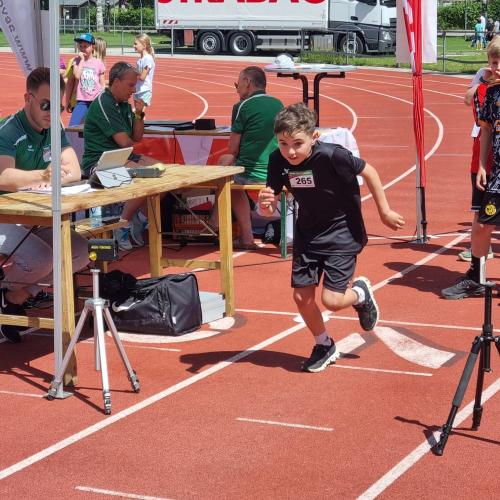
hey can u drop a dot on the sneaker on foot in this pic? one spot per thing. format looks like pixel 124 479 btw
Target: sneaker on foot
pixel 368 310
pixel 137 227
pixel 320 358
pixel 463 288
pixel 466 255
pixel 11 332
pixel 122 236
pixel 42 300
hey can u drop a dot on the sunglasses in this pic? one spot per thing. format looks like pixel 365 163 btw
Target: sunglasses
pixel 236 83
pixel 44 105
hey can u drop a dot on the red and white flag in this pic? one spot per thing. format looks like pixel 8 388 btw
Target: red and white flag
pixel 405 35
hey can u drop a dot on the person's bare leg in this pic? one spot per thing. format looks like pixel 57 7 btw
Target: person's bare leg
pixel 481 238
pixel 241 209
pixel 336 301
pixel 308 309
pixel 17 296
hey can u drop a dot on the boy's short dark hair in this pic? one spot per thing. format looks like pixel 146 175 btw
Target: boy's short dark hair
pixel 40 76
pixel 295 118
pixel 119 69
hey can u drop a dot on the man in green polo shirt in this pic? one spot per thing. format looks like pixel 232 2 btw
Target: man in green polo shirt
pixel 111 124
pixel 251 141
pixel 25 162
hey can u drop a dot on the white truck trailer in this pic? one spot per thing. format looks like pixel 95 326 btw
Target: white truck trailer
pixel 244 26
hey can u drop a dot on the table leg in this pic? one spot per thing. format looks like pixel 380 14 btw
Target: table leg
pixel 68 299
pixel 155 239
pixel 226 244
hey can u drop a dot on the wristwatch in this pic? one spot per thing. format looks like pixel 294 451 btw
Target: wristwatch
pixel 139 116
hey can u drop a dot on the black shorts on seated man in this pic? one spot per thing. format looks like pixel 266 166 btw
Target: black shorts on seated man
pixel 111 124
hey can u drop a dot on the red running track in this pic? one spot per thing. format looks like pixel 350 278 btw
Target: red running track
pixel 231 415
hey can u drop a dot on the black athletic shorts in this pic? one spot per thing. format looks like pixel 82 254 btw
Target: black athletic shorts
pixel 338 270
pixel 489 212
pixel 477 195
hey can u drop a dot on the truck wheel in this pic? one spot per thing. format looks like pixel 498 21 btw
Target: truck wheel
pixel 209 43
pixel 351 44
pixel 240 44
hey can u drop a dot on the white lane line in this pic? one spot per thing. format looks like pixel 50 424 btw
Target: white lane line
pixel 41 455
pixel 350 343
pixel 121 494
pixel 421 262
pixel 427 156
pixel 385 321
pixel 397 372
pixel 205 103
pixel 284 424
pixel 410 349
pixel 132 346
pixel 413 457
pixel 25 394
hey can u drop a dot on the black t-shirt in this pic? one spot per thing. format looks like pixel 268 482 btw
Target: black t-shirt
pixel 327 191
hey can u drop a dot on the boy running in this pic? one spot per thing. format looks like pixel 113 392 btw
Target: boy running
pixel 330 230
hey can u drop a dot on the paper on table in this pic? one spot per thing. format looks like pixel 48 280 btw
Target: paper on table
pixel 65 190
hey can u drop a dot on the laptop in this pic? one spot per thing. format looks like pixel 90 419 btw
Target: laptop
pixel 114 158
pixel 110 170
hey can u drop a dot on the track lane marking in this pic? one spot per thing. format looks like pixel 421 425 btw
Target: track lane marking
pixel 25 394
pixel 88 431
pixel 122 494
pixel 284 424
pixel 382 370
pixel 385 321
pixel 420 451
pixel 411 350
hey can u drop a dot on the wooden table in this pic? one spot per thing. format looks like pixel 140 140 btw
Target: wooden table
pixel 36 209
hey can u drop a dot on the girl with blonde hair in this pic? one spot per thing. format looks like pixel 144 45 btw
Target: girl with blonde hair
pixel 145 69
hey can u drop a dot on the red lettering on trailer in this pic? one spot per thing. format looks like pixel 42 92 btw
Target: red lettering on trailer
pixel 242 1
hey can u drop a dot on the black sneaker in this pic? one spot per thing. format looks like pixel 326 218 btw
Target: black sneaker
pixel 463 288
pixel 11 332
pixel 42 300
pixel 368 310
pixel 321 357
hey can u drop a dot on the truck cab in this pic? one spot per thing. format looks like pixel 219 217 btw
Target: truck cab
pixel 369 25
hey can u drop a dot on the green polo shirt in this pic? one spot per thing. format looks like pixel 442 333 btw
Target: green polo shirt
pixel 104 118
pixel 29 148
pixel 254 121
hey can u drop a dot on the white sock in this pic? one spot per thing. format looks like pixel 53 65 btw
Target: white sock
pixel 360 293
pixel 323 339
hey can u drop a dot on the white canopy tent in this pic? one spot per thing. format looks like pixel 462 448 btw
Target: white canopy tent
pixel 33 34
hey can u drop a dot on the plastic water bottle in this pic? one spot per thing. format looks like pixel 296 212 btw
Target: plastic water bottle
pixel 95 217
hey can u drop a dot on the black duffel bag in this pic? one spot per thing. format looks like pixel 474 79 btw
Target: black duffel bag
pixel 168 305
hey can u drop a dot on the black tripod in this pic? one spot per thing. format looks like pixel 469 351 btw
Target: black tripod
pixel 482 346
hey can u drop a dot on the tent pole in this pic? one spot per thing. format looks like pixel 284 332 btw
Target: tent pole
pixel 55 134
pixel 420 200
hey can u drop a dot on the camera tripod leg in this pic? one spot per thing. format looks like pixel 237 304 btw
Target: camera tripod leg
pixel 459 394
pixel 483 364
pixel 58 377
pixel 136 387
pixel 101 341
